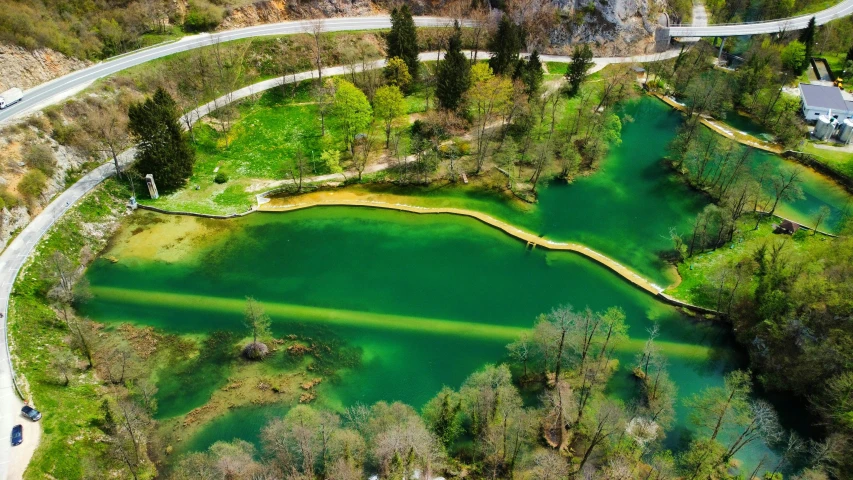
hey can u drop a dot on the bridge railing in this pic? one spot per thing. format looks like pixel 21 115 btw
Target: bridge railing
pixel 758 22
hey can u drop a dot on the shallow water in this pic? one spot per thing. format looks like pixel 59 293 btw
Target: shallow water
pixel 627 208
pixel 426 300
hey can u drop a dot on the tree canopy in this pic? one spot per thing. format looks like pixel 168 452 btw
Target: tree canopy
pixel 454 73
pixel 576 71
pixel 388 104
pixel 352 111
pixel 402 40
pixel 163 148
pixel 505 46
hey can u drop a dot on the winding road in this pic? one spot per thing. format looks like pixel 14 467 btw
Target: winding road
pixel 49 92
pixel 842 9
pixel 13 461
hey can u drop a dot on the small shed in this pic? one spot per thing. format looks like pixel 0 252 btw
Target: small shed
pixel 640 72
pixel 787 227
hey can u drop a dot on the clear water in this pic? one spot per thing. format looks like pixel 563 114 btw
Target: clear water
pixel 426 300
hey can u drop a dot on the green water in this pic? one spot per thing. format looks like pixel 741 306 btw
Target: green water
pixel 426 299
pixel 627 208
pixel 422 301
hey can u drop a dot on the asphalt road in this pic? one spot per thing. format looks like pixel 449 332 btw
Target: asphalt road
pixel 13 460
pixel 840 10
pixel 44 94
pixel 16 254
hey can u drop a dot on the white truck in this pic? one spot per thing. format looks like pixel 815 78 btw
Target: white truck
pixel 11 97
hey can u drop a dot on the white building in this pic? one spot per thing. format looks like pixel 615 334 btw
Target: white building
pixel 826 100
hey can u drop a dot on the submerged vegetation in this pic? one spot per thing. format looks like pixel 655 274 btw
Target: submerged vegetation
pixel 576 396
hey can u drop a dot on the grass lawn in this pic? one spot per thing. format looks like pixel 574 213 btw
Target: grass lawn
pixel 697 272
pixel 557 68
pixel 267 133
pixel 841 161
pixel 72 414
pixel 836 61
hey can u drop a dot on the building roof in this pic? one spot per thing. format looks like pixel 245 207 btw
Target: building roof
pixel 789 226
pixel 823 96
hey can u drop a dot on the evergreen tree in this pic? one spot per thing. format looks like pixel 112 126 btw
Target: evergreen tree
pixel 850 54
pixel 454 73
pixel 505 46
pixel 163 148
pixel 402 40
pixel 576 72
pixel 807 38
pixel 530 73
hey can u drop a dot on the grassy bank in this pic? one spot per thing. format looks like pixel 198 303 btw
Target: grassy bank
pixel 838 160
pixel 72 413
pixel 701 273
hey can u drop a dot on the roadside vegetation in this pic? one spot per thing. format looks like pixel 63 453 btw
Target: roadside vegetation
pixel 438 122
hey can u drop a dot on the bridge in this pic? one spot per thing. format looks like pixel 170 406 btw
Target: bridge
pixel 840 10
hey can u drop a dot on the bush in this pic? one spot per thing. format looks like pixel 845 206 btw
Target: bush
pixel 220 178
pixel 8 198
pixel 41 156
pixel 202 17
pixel 255 351
pixel 32 185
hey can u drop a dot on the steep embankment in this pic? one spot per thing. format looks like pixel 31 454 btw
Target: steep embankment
pixel 272 11
pixel 22 68
pixel 612 27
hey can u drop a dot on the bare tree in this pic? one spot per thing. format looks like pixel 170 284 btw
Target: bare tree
pixel 109 127
pixel 819 216
pixel 786 186
pixel 315 28
pixel 62 361
pixel 324 96
pixel 607 419
pixel 64 275
pixel 364 145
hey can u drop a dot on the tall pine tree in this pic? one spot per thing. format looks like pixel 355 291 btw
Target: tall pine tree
pixel 530 73
pixel 807 38
pixel 402 40
pixel 576 72
pixel 453 76
pixel 163 148
pixel 505 46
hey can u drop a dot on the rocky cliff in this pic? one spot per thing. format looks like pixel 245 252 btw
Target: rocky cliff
pixel 24 69
pixel 271 11
pixel 13 142
pixel 613 27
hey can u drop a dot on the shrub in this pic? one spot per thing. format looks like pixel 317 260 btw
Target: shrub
pixel 220 177
pixel 202 17
pixel 8 198
pixel 32 184
pixel 41 156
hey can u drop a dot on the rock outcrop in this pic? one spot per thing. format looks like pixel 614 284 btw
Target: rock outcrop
pixel 22 68
pixel 612 27
pixel 271 11
pixel 12 169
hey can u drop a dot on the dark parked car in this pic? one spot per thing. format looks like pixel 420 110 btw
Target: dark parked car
pixel 17 435
pixel 31 413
